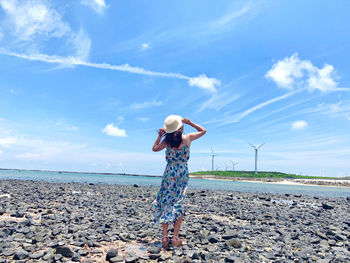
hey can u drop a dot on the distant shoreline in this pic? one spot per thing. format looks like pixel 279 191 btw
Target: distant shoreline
pixel 319 182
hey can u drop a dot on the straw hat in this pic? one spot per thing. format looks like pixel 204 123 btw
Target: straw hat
pixel 172 123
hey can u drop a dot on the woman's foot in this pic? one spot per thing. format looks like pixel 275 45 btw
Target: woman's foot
pixel 165 242
pixel 176 241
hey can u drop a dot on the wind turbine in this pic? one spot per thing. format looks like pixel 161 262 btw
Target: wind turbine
pixel 212 159
pixel 256 148
pixel 233 165
pixel 226 166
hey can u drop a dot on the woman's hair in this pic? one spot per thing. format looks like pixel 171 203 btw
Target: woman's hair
pixel 174 139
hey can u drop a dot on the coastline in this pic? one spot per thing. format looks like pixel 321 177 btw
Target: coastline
pixel 318 182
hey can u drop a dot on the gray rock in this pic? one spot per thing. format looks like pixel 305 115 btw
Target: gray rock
pixel 36 255
pixel 214 239
pixel 76 257
pixel 20 254
pixel 111 253
pixel 327 206
pixel 131 257
pixel 64 251
pixel 117 259
pixel 234 243
pixel 154 250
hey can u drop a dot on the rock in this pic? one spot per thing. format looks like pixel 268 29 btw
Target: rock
pixel 232 259
pixel 116 259
pixel 64 251
pixel 36 255
pixel 8 252
pixel 214 239
pixel 130 258
pixel 20 254
pixel 340 237
pixel 76 257
pixel 154 249
pixel 234 243
pixel 154 256
pixel 111 253
pixel 327 206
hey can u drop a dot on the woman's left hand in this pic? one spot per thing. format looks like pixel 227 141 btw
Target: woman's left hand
pixel 186 121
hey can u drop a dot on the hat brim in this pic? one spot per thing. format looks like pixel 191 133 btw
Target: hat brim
pixel 175 129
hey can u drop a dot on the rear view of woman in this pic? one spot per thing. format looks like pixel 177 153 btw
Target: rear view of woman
pixel 168 205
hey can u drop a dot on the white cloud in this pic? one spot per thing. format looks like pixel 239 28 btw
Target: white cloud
pixel 230 16
pixel 202 81
pixel 147 104
pixel 28 156
pixel 31 25
pixel 82 44
pixel 98 5
pixel 299 125
pixel 7 141
pixel 0 152
pixel 237 117
pixel 293 73
pixel 112 130
pixel 144 119
pixel 145 46
pixel 34 18
pixel 66 126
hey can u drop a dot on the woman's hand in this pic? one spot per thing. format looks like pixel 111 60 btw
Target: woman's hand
pixel 161 131
pixel 186 121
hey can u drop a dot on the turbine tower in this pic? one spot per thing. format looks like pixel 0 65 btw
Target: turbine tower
pixel 212 159
pixel 233 165
pixel 226 166
pixel 256 148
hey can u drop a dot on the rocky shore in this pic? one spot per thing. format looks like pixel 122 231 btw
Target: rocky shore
pixel 72 222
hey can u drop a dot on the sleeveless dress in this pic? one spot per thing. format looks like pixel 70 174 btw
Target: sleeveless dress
pixel 168 205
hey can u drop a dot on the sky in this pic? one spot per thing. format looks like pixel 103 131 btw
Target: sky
pixel 84 85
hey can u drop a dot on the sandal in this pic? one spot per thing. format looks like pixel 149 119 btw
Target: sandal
pixel 165 242
pixel 176 241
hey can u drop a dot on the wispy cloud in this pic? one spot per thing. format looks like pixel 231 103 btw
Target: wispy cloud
pixel 97 5
pixel 340 109
pixel 28 156
pixel 201 81
pixel 218 101
pixel 239 116
pixel 30 25
pixel 32 19
pixel 146 104
pixel 8 141
pixel 293 73
pixel 145 46
pixel 144 119
pixel 299 125
pixel 113 130
pixel 230 17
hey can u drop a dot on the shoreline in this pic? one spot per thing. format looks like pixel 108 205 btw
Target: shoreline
pixel 318 182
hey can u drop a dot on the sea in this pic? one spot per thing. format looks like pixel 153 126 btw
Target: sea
pixel 196 183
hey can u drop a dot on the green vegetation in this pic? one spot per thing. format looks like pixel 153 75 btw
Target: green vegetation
pixel 251 174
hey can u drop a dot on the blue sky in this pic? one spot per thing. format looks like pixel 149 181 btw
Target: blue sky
pixel 85 84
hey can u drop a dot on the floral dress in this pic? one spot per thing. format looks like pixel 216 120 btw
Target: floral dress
pixel 168 205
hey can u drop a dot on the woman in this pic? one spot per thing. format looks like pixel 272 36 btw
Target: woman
pixel 168 206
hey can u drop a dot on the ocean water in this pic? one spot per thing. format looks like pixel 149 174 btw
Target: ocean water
pixel 51 176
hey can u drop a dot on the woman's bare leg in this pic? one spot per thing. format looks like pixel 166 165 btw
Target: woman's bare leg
pixel 165 230
pixel 177 225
